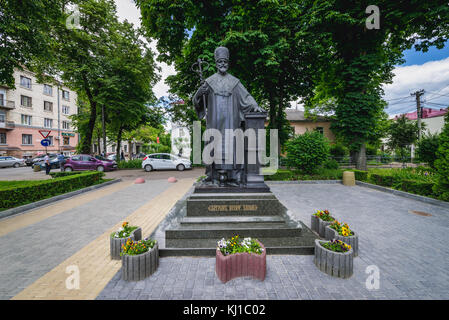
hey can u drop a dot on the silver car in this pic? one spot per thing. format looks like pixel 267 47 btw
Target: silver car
pixel 165 161
pixel 8 161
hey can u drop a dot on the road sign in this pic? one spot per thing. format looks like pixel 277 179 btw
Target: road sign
pixel 45 142
pixel 44 133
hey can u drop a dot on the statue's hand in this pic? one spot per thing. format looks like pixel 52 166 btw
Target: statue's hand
pixel 258 109
pixel 204 89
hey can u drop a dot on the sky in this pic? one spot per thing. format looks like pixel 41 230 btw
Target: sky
pixel 428 71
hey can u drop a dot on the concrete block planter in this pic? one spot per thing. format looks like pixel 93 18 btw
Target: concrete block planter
pixel 241 265
pixel 322 227
pixel 116 243
pixel 336 264
pixel 141 266
pixel 314 223
pixel 353 241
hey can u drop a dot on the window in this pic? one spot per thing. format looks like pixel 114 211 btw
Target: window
pixel 65 125
pixel 2 138
pixel 48 123
pixel 25 82
pixel 25 101
pixel 27 139
pixel 65 109
pixel 76 158
pixel 320 130
pixel 48 106
pixel 2 100
pixel 85 158
pixel 66 141
pixel 126 148
pixel 48 90
pixel 2 116
pixel 65 95
pixel 51 139
pixel 26 119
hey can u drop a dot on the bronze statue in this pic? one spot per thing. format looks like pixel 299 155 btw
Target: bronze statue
pixel 224 101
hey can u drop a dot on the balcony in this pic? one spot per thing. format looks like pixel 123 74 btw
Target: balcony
pixel 8 125
pixel 7 104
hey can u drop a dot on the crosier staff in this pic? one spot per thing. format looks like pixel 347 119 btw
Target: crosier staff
pixel 199 63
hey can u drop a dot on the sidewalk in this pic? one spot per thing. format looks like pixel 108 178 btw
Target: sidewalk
pixel 409 249
pixel 38 246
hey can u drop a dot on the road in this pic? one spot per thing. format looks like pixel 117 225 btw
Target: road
pixel 27 173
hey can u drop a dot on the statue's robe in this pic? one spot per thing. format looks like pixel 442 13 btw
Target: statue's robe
pixel 227 102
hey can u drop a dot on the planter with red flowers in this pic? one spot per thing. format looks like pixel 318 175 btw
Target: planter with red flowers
pixel 140 259
pixel 121 236
pixel 342 232
pixel 334 258
pixel 319 221
pixel 237 257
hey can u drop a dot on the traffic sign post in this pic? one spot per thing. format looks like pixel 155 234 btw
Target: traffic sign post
pixel 45 143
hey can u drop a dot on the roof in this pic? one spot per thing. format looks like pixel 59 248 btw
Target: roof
pixel 298 115
pixel 427 113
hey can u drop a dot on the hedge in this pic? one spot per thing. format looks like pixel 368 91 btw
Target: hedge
pixel 361 175
pixel 416 187
pixel 381 179
pixel 31 191
pixel 130 164
pixel 64 173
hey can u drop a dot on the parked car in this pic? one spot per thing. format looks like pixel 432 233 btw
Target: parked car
pixel 54 162
pixel 88 162
pixel 165 161
pixel 31 161
pixel 8 161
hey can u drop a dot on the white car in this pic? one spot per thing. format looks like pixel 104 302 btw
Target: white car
pixel 165 161
pixel 8 161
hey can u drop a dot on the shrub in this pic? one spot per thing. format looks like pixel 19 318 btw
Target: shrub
pixel 338 150
pixel 441 164
pixel 385 180
pixel 427 149
pixel 361 175
pixel 281 175
pixel 31 191
pixel 307 151
pixel 417 187
pixel 130 164
pixel 64 173
pixel 330 164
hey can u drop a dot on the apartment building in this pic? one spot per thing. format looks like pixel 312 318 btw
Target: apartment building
pixel 32 107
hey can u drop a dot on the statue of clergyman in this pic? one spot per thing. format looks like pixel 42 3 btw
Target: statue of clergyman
pixel 226 102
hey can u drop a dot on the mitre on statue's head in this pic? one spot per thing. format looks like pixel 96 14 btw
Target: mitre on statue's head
pixel 221 53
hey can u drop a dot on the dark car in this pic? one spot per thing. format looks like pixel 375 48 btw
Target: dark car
pixel 54 162
pixel 31 161
pixel 88 162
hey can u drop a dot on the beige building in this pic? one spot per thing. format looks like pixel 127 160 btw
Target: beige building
pixel 300 124
pixel 31 108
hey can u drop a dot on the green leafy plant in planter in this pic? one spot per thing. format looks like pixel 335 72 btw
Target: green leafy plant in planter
pixel 140 259
pixel 124 231
pixel 319 220
pixel 238 257
pixel 336 246
pixel 133 248
pixel 342 230
pixel 235 245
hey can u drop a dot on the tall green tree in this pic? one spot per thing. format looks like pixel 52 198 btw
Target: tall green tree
pixel 265 53
pixel 354 62
pixel 442 163
pixel 25 33
pixel 402 133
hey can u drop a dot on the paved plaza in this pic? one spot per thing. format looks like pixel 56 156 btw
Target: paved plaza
pixel 408 249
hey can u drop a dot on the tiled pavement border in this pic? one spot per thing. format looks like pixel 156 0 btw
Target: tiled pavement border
pixel 93 261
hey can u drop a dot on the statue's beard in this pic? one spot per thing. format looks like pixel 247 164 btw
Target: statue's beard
pixel 223 69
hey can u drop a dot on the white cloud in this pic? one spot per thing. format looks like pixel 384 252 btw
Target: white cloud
pixel 126 9
pixel 432 76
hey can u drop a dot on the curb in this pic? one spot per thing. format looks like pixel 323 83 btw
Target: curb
pixel 40 203
pixel 304 182
pixel 404 194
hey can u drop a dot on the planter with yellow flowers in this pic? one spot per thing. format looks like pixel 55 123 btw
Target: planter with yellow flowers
pixel 121 236
pixel 334 258
pixel 342 232
pixel 140 259
pixel 319 221
pixel 238 257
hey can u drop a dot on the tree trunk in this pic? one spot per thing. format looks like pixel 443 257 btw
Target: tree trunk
pixel 119 141
pixel 361 158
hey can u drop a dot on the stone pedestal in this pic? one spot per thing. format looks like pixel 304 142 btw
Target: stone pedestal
pixel 348 178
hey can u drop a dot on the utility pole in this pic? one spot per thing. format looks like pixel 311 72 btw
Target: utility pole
pixel 418 95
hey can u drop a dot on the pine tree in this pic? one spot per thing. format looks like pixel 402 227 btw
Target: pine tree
pixel 441 188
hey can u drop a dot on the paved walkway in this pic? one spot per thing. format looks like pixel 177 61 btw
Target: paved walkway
pixel 409 249
pixel 37 251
